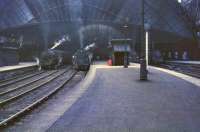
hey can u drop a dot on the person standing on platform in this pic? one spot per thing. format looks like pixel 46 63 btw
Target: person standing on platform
pixel 169 55
pixel 176 55
pixel 185 55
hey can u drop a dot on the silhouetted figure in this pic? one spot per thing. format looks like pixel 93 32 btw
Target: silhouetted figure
pixel 185 55
pixel 176 55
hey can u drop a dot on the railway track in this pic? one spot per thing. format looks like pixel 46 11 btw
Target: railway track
pixel 188 69
pixel 25 82
pixel 12 73
pixel 14 81
pixel 14 77
pixel 18 100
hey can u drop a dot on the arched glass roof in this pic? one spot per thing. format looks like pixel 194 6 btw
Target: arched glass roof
pixel 159 14
pixel 193 8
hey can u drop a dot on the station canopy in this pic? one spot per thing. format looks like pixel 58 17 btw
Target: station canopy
pixel 165 15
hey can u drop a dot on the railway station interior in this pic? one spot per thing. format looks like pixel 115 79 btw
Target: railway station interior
pixel 99 65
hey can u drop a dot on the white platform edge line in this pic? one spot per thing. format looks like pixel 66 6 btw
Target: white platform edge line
pixel 15 67
pixel 185 62
pixel 76 93
pixel 187 78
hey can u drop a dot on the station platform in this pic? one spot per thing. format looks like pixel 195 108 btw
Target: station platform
pixel 113 99
pixel 16 67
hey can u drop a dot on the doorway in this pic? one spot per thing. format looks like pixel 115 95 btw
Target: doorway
pixel 119 58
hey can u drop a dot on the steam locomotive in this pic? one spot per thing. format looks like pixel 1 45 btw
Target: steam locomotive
pixel 82 59
pixel 53 59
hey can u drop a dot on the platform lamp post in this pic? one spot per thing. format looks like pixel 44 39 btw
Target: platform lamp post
pixel 126 37
pixel 143 66
pixel 147 27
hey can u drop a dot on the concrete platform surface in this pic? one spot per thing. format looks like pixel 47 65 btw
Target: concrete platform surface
pixel 19 66
pixel 116 101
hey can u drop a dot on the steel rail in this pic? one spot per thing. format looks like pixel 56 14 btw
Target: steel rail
pixel 20 79
pixel 4 122
pixel 30 90
pixel 17 76
pixel 26 84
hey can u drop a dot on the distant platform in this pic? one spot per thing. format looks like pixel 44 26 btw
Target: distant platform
pixel 186 62
pixel 113 99
pixel 19 66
